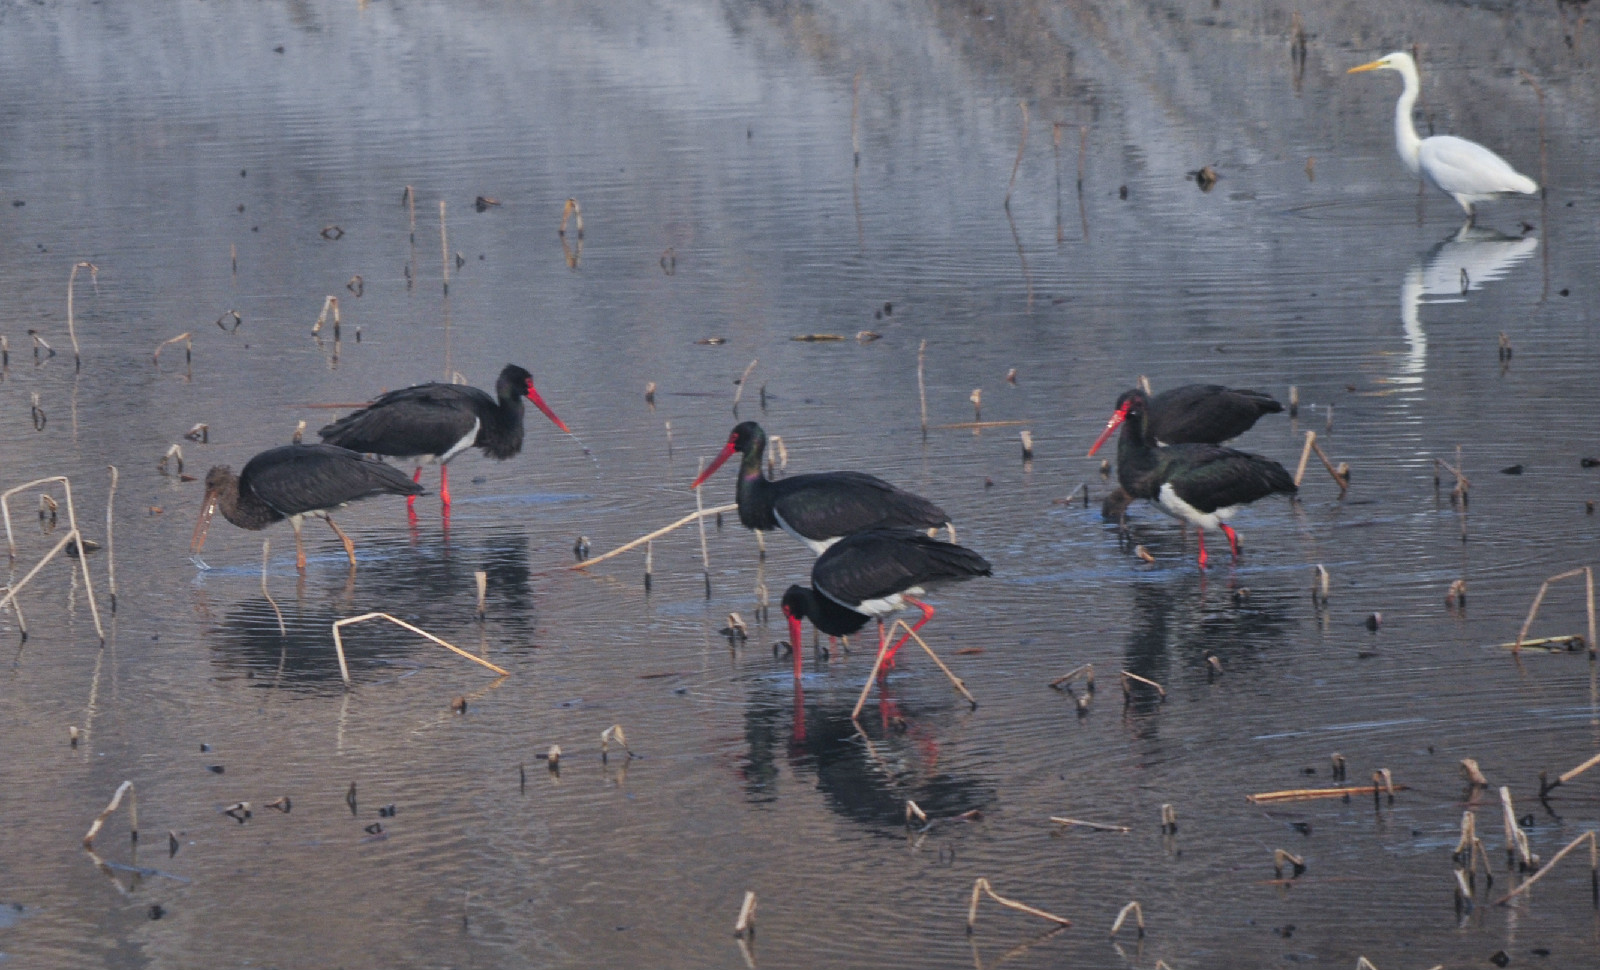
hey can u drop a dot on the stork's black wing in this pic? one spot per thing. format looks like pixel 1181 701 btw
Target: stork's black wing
pixel 1209 477
pixel 882 562
pixel 1207 413
pixel 829 504
pixel 295 479
pixel 428 419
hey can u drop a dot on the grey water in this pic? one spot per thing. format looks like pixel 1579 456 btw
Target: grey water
pixel 221 158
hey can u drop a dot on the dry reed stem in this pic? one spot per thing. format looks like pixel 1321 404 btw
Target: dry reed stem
pixel 572 210
pixel 1362 963
pixel 1305 455
pixel 1551 644
pixel 855 115
pixel 705 552
pixel 480 579
pixel 1296 863
pixel 74 534
pixel 1594 865
pixel 155 358
pixel 1469 833
pixel 72 330
pixel 1567 776
pixel 1471 772
pixel 747 915
pixel 738 392
pixel 338 642
pixel 922 388
pixel 913 810
pixel 444 246
pixel 982 887
pixel 1128 675
pixel 1021 146
pixel 610 734
pixel 966 425
pixel 1086 671
pixel 1169 819
pixel 1516 839
pixel 699 514
pixel 1097 826
pixel 1138 915
pixel 266 550
pixel 126 788
pixel 111 545
pixel 883 648
pixel 1340 478
pixel 1303 794
pixel 1533 611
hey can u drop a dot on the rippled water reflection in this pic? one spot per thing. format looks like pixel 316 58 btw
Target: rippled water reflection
pixel 252 158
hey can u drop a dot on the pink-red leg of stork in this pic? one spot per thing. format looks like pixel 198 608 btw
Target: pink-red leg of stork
pixel 1201 533
pixel 444 484
pixel 927 614
pixel 411 500
pixel 1233 538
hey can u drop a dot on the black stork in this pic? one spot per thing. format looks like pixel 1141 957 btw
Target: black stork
pixel 435 422
pixel 818 509
pixel 1196 414
pixel 873 575
pixel 1203 484
pixel 291 482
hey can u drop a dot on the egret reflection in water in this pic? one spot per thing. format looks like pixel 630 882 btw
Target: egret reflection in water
pixel 1464 261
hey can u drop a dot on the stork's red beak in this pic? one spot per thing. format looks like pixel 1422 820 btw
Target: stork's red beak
pixel 1117 417
pixel 727 452
pixel 207 510
pixel 794 641
pixel 538 402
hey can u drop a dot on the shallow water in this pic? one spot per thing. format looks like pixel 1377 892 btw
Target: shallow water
pixel 159 141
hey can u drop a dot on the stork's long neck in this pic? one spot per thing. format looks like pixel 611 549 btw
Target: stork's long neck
pixel 755 504
pixel 245 510
pixel 1406 140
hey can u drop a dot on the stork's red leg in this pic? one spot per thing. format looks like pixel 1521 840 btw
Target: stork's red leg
pixel 1201 533
pixel 927 614
pixel 444 484
pixel 412 499
pixel 1233 538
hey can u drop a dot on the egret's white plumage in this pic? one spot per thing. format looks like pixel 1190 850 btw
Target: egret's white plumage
pixel 1464 170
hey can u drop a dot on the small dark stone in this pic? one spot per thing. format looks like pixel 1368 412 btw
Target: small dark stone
pixel 1500 958
pixel 878 315
pixel 1540 951
pixel 376 828
pixel 1123 192
pixel 204 747
pixel 156 912
pixel 216 769
pixel 278 49
pixel 1285 931
pixel 388 811
pixel 18 203
pixel 1308 771
pixel 1304 828
pixel 1565 292
pixel 1374 621
pixel 1511 470
pixel 888 309
pixel 1589 462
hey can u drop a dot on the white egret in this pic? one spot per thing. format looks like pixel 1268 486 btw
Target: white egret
pixel 1464 170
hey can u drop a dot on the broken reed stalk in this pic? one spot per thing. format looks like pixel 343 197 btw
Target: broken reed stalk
pixel 1566 776
pixel 1302 794
pixel 1138 915
pixel 72 330
pixel 1533 611
pixel 1097 826
pixel 698 514
pixel 1305 455
pixel 266 551
pixel 73 535
pixel 1340 478
pixel 111 544
pixel 480 578
pixel 338 642
pixel 738 392
pixel 982 887
pixel 1473 774
pixel 1128 675
pixel 188 351
pixel 883 648
pixel 1594 868
pixel 1021 146
pixel 1297 865
pixel 1517 847
pixel 1086 671
pixel 613 733
pixel 746 923
pixel 922 388
pixel 126 788
pixel 571 210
